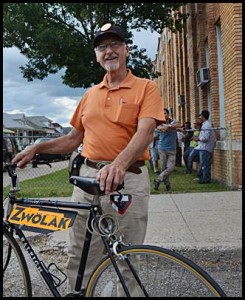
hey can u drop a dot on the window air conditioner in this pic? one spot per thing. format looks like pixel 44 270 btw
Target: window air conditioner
pixel 202 76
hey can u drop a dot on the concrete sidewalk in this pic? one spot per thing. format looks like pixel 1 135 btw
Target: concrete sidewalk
pixel 193 221
pixel 196 220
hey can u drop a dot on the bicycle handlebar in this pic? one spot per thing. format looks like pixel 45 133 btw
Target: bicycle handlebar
pixel 89 185
pixel 11 168
pixel 11 171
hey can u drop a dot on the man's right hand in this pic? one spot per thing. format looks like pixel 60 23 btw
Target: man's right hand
pixel 23 158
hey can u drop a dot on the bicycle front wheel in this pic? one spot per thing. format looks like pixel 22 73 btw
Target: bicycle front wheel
pixel 16 277
pixel 159 273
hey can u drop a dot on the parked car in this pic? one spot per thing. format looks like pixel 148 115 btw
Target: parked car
pixel 10 149
pixel 47 158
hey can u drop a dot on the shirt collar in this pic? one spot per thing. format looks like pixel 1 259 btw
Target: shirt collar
pixel 126 83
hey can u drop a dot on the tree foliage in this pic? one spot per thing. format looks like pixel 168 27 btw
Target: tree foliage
pixel 55 36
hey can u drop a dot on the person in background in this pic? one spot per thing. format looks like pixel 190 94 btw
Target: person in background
pixel 114 121
pixel 154 152
pixel 190 154
pixel 178 162
pixel 167 150
pixel 187 134
pixel 206 143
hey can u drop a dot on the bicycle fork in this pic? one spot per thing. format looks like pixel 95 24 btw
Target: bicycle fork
pixel 111 252
pixel 125 258
pixel 116 267
pixel 121 257
pixel 93 216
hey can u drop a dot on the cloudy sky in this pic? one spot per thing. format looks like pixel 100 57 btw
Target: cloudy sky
pixel 49 97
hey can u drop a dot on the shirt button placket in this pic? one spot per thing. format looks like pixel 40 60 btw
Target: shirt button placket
pixel 108 99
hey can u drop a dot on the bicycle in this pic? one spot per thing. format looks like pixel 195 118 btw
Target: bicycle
pixel 126 270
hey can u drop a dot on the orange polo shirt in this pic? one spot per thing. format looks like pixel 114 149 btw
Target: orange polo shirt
pixel 109 116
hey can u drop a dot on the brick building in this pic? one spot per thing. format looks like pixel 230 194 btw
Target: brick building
pixel 201 68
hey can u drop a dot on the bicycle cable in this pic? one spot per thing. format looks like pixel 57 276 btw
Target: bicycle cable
pixel 107 225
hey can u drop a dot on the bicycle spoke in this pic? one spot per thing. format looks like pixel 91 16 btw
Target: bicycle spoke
pixel 162 274
pixel 14 267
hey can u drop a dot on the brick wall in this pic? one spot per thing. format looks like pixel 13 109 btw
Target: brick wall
pixel 184 53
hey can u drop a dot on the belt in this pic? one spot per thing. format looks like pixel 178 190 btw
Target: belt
pixel 134 168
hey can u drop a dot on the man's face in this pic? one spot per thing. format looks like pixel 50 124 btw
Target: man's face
pixel 111 54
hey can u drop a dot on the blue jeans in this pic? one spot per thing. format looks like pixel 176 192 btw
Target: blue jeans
pixel 193 155
pixel 205 165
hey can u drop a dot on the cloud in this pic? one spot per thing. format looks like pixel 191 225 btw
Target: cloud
pixel 63 105
pixel 48 97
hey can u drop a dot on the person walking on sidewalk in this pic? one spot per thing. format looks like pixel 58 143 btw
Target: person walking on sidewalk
pixel 167 150
pixel 115 121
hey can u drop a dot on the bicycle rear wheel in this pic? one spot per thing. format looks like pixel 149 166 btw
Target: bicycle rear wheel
pixel 161 273
pixel 16 277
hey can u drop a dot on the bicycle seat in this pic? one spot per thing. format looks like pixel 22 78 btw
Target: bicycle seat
pixel 89 185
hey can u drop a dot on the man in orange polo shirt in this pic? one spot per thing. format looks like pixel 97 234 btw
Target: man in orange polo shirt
pixel 115 121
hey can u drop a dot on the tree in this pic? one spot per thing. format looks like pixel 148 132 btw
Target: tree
pixel 55 36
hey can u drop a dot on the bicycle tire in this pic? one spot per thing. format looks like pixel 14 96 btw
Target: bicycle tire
pixel 6 257
pixel 163 273
pixel 14 267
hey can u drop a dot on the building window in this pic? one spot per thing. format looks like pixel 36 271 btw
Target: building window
pixel 206 54
pixel 208 85
pixel 220 78
pixel 196 8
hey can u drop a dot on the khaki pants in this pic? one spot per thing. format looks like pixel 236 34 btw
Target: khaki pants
pixel 168 159
pixel 132 224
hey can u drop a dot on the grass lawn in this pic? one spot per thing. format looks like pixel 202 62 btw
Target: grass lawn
pixel 51 185
pixel 57 185
pixel 181 183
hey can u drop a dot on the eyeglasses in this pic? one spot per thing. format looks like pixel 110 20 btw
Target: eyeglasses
pixel 113 45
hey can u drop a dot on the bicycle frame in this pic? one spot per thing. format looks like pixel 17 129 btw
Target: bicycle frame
pixel 94 210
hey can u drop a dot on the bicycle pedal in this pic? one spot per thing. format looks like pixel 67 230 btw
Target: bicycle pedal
pixel 56 280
